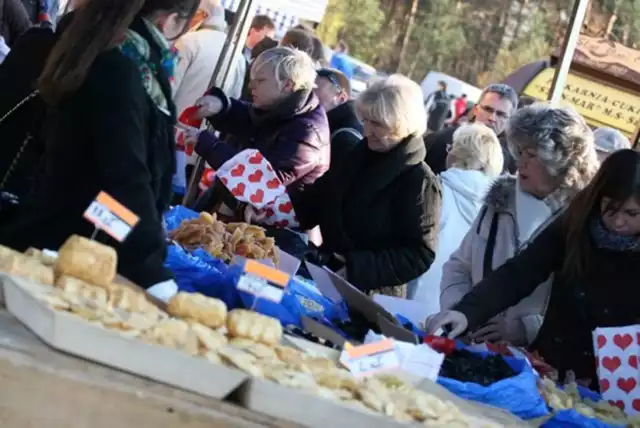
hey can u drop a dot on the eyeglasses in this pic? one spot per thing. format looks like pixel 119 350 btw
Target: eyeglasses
pixel 499 114
pixel 331 77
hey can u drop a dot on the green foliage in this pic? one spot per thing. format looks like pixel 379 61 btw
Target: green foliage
pixel 479 41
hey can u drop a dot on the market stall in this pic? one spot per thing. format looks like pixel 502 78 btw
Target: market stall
pixel 603 83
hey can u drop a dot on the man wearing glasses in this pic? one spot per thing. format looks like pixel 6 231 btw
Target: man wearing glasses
pixel 497 103
pixel 333 89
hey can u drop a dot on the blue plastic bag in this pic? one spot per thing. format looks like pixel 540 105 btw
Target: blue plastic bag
pixel 519 394
pixel 573 419
pixel 176 215
pixel 300 298
pixel 199 272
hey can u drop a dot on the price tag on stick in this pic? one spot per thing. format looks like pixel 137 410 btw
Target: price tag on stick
pixel 370 358
pixel 263 281
pixel 111 217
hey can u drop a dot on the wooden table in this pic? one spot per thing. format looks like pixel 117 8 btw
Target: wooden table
pixel 43 388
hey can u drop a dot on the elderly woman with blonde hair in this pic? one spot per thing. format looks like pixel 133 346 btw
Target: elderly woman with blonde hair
pixel 379 211
pixel 556 158
pixel 285 121
pixel 474 161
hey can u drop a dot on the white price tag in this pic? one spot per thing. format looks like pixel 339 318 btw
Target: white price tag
pixel 423 361
pixel 260 288
pixel 110 216
pixel 370 358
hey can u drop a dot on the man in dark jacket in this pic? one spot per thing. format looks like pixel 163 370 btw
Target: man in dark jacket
pixel 494 108
pixel 333 89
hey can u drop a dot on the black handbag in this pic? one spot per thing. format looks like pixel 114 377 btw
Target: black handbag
pixel 8 201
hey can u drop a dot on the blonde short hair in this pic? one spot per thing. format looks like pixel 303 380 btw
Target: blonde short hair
pixel 395 102
pixel 288 64
pixel 476 147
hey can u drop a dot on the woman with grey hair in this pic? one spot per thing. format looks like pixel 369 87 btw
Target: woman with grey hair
pixel 556 158
pixel 609 140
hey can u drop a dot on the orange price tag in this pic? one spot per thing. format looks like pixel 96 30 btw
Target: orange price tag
pixel 370 358
pixel 263 281
pixel 111 216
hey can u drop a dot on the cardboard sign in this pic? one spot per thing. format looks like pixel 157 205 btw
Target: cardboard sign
pixel 263 281
pixel 395 331
pixel 110 216
pixel 371 358
pixel 322 331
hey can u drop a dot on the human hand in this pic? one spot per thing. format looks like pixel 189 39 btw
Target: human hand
pixel 457 321
pixel 191 135
pixel 208 106
pixel 253 215
pixel 501 329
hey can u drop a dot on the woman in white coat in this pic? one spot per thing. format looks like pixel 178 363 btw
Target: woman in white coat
pixel 475 159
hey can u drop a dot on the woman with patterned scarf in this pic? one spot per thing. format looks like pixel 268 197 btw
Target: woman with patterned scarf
pixel 110 121
pixel 593 250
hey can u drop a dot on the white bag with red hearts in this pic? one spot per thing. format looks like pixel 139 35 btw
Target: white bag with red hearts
pixel 251 179
pixel 617 350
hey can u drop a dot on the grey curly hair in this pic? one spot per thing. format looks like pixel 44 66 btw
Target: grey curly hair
pixel 563 142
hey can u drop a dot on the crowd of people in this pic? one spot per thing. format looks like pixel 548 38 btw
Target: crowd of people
pixel 507 227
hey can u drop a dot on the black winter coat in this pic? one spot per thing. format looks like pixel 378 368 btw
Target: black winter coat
pixel 108 136
pixel 18 76
pixel 14 20
pixel 341 118
pixel 606 295
pixel 380 211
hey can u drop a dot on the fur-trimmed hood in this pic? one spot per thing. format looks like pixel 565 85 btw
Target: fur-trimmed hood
pixel 502 193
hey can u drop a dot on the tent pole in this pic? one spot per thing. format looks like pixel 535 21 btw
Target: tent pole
pixel 233 46
pixel 568 49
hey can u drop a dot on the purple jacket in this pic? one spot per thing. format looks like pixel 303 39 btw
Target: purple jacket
pixel 294 137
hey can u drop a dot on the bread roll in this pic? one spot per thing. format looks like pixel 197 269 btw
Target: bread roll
pixel 87 260
pixel 199 308
pixel 14 263
pixel 251 325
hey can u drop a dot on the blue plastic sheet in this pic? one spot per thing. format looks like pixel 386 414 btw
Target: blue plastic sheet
pixel 573 419
pixel 519 394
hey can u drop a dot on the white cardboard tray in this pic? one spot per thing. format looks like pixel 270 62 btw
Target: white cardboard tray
pixel 311 411
pixel 73 335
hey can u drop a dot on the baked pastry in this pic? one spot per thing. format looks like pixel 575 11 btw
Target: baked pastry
pixel 87 260
pixel 208 339
pixel 240 360
pixel 254 326
pixel 127 299
pixel 14 263
pixel 198 308
pixel 173 333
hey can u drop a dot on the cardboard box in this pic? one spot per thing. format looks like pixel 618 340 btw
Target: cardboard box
pixel 71 334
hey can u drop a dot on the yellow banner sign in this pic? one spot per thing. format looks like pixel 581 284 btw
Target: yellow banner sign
pixel 600 105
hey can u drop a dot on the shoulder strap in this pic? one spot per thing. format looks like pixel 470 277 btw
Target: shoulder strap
pixel 349 130
pixel 20 103
pixel 487 264
pixel 23 146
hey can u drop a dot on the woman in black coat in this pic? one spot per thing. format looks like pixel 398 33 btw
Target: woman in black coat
pixel 109 128
pixel 593 252
pixel 378 211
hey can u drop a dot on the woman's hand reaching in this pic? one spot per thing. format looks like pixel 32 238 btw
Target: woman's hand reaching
pixel 454 320
pixel 208 106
